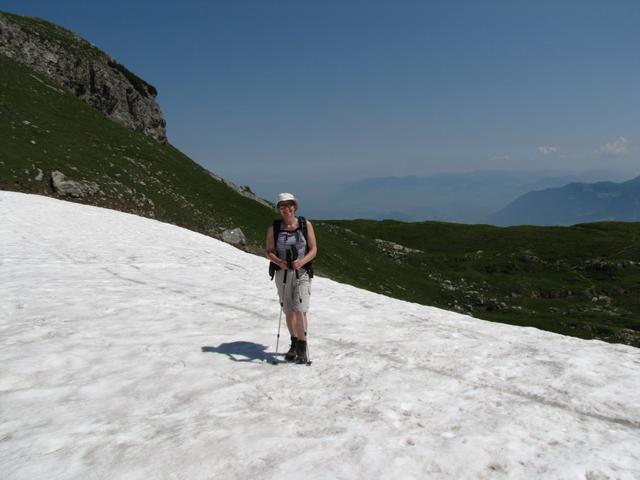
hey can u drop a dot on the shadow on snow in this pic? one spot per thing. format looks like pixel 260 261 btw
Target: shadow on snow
pixel 249 350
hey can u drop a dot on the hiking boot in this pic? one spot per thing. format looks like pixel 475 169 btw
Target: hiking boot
pixel 291 354
pixel 301 351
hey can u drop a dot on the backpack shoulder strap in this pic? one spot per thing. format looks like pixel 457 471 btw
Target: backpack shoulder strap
pixel 276 231
pixel 302 225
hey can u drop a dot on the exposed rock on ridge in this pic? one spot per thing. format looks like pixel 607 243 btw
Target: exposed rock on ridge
pixel 86 71
pixel 245 191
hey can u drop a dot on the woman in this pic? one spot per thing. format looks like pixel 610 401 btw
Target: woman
pixel 291 247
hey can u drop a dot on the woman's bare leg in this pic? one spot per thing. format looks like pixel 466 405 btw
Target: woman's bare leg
pixel 299 326
pixel 290 324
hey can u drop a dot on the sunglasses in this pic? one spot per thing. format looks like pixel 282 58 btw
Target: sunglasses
pixel 286 205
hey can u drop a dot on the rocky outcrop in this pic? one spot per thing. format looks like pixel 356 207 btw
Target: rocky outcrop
pixel 235 237
pixel 86 71
pixel 245 191
pixel 394 250
pixel 71 188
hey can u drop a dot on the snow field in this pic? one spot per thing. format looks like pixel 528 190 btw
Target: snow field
pixel 135 349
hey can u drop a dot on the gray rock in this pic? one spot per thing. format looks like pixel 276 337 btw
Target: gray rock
pixel 394 250
pixel 81 68
pixel 235 237
pixel 72 188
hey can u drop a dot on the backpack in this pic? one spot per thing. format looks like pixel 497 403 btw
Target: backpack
pixel 302 226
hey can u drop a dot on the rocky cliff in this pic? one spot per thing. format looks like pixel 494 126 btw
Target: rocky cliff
pixel 85 70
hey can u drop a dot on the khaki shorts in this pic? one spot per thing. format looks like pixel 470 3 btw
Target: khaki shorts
pixel 295 292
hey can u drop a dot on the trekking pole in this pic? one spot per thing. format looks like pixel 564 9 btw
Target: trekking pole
pixel 289 261
pixel 298 286
pixel 306 336
pixel 293 255
pixel 275 360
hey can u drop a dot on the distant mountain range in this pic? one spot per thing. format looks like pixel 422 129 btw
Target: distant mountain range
pixel 471 197
pixel 574 203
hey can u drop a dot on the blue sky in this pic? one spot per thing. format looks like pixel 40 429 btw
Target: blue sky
pixel 272 92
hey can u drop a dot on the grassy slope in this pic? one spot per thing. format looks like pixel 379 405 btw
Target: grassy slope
pixel 45 128
pixel 505 275
pixel 582 280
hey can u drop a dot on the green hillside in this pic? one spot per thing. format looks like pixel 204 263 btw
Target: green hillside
pixel 582 281
pixel 44 129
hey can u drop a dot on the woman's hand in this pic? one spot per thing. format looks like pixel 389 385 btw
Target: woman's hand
pixel 297 264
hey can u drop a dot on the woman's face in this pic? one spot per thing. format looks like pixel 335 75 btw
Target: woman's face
pixel 287 209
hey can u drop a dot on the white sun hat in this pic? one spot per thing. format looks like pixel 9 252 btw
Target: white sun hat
pixel 287 197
